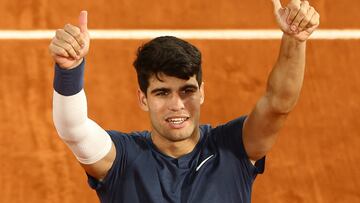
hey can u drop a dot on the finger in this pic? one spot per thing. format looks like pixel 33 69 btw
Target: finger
pixel 304 23
pixel 68 48
pixel 75 33
pixel 315 20
pixel 304 7
pixel 278 9
pixel 83 21
pixel 277 5
pixel 294 7
pixel 58 51
pixel 65 36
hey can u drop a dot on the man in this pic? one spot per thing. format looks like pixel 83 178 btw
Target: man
pixel 178 160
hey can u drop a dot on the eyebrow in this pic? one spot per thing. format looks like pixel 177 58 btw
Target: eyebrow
pixel 189 86
pixel 164 89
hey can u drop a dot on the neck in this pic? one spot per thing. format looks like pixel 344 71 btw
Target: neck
pixel 176 149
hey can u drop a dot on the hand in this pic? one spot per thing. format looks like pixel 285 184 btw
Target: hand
pixel 71 44
pixel 298 19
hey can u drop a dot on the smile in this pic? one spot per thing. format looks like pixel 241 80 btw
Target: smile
pixel 176 120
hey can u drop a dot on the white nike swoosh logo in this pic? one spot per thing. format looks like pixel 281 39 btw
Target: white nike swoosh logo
pixel 203 162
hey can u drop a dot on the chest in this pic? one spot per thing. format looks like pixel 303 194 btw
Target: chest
pixel 208 176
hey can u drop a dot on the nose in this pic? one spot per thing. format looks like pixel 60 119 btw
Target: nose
pixel 176 103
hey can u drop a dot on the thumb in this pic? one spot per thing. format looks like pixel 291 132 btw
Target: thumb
pixel 278 9
pixel 83 21
pixel 277 5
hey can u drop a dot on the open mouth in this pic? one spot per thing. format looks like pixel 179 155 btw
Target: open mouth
pixel 177 122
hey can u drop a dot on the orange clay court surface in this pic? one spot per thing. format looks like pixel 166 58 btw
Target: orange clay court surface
pixel 316 158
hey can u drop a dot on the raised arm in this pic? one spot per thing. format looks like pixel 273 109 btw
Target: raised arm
pixel 91 144
pixel 297 21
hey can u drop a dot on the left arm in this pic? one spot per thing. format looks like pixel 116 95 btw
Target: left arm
pixel 285 80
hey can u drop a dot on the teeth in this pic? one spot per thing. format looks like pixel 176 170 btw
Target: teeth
pixel 176 120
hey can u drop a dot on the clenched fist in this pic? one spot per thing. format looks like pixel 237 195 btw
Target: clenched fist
pixel 71 44
pixel 298 19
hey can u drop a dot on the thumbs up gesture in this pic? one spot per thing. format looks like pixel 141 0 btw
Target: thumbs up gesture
pixel 297 19
pixel 71 44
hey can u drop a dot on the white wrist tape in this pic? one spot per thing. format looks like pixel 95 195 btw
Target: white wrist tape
pixel 86 139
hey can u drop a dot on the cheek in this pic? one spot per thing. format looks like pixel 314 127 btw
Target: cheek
pixel 157 109
pixel 193 105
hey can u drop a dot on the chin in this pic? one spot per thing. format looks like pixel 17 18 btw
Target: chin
pixel 179 136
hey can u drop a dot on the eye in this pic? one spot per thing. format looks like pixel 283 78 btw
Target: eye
pixel 162 93
pixel 189 90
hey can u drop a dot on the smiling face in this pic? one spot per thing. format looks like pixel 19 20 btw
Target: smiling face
pixel 174 107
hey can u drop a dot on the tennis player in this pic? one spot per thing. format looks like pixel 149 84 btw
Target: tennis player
pixel 178 159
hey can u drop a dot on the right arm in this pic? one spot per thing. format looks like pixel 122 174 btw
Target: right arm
pixel 91 144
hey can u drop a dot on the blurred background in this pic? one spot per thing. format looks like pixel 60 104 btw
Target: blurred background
pixel 316 158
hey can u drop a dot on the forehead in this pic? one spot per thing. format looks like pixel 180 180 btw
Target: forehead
pixel 170 82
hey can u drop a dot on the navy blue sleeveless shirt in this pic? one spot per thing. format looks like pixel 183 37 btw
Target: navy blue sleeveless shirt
pixel 217 170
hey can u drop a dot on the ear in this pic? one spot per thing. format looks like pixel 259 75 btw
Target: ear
pixel 142 100
pixel 202 93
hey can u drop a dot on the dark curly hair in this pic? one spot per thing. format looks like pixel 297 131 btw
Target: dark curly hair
pixel 169 55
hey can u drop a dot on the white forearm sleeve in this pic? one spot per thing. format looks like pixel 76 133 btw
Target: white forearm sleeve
pixel 87 140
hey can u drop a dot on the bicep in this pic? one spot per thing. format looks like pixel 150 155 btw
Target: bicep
pixel 261 128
